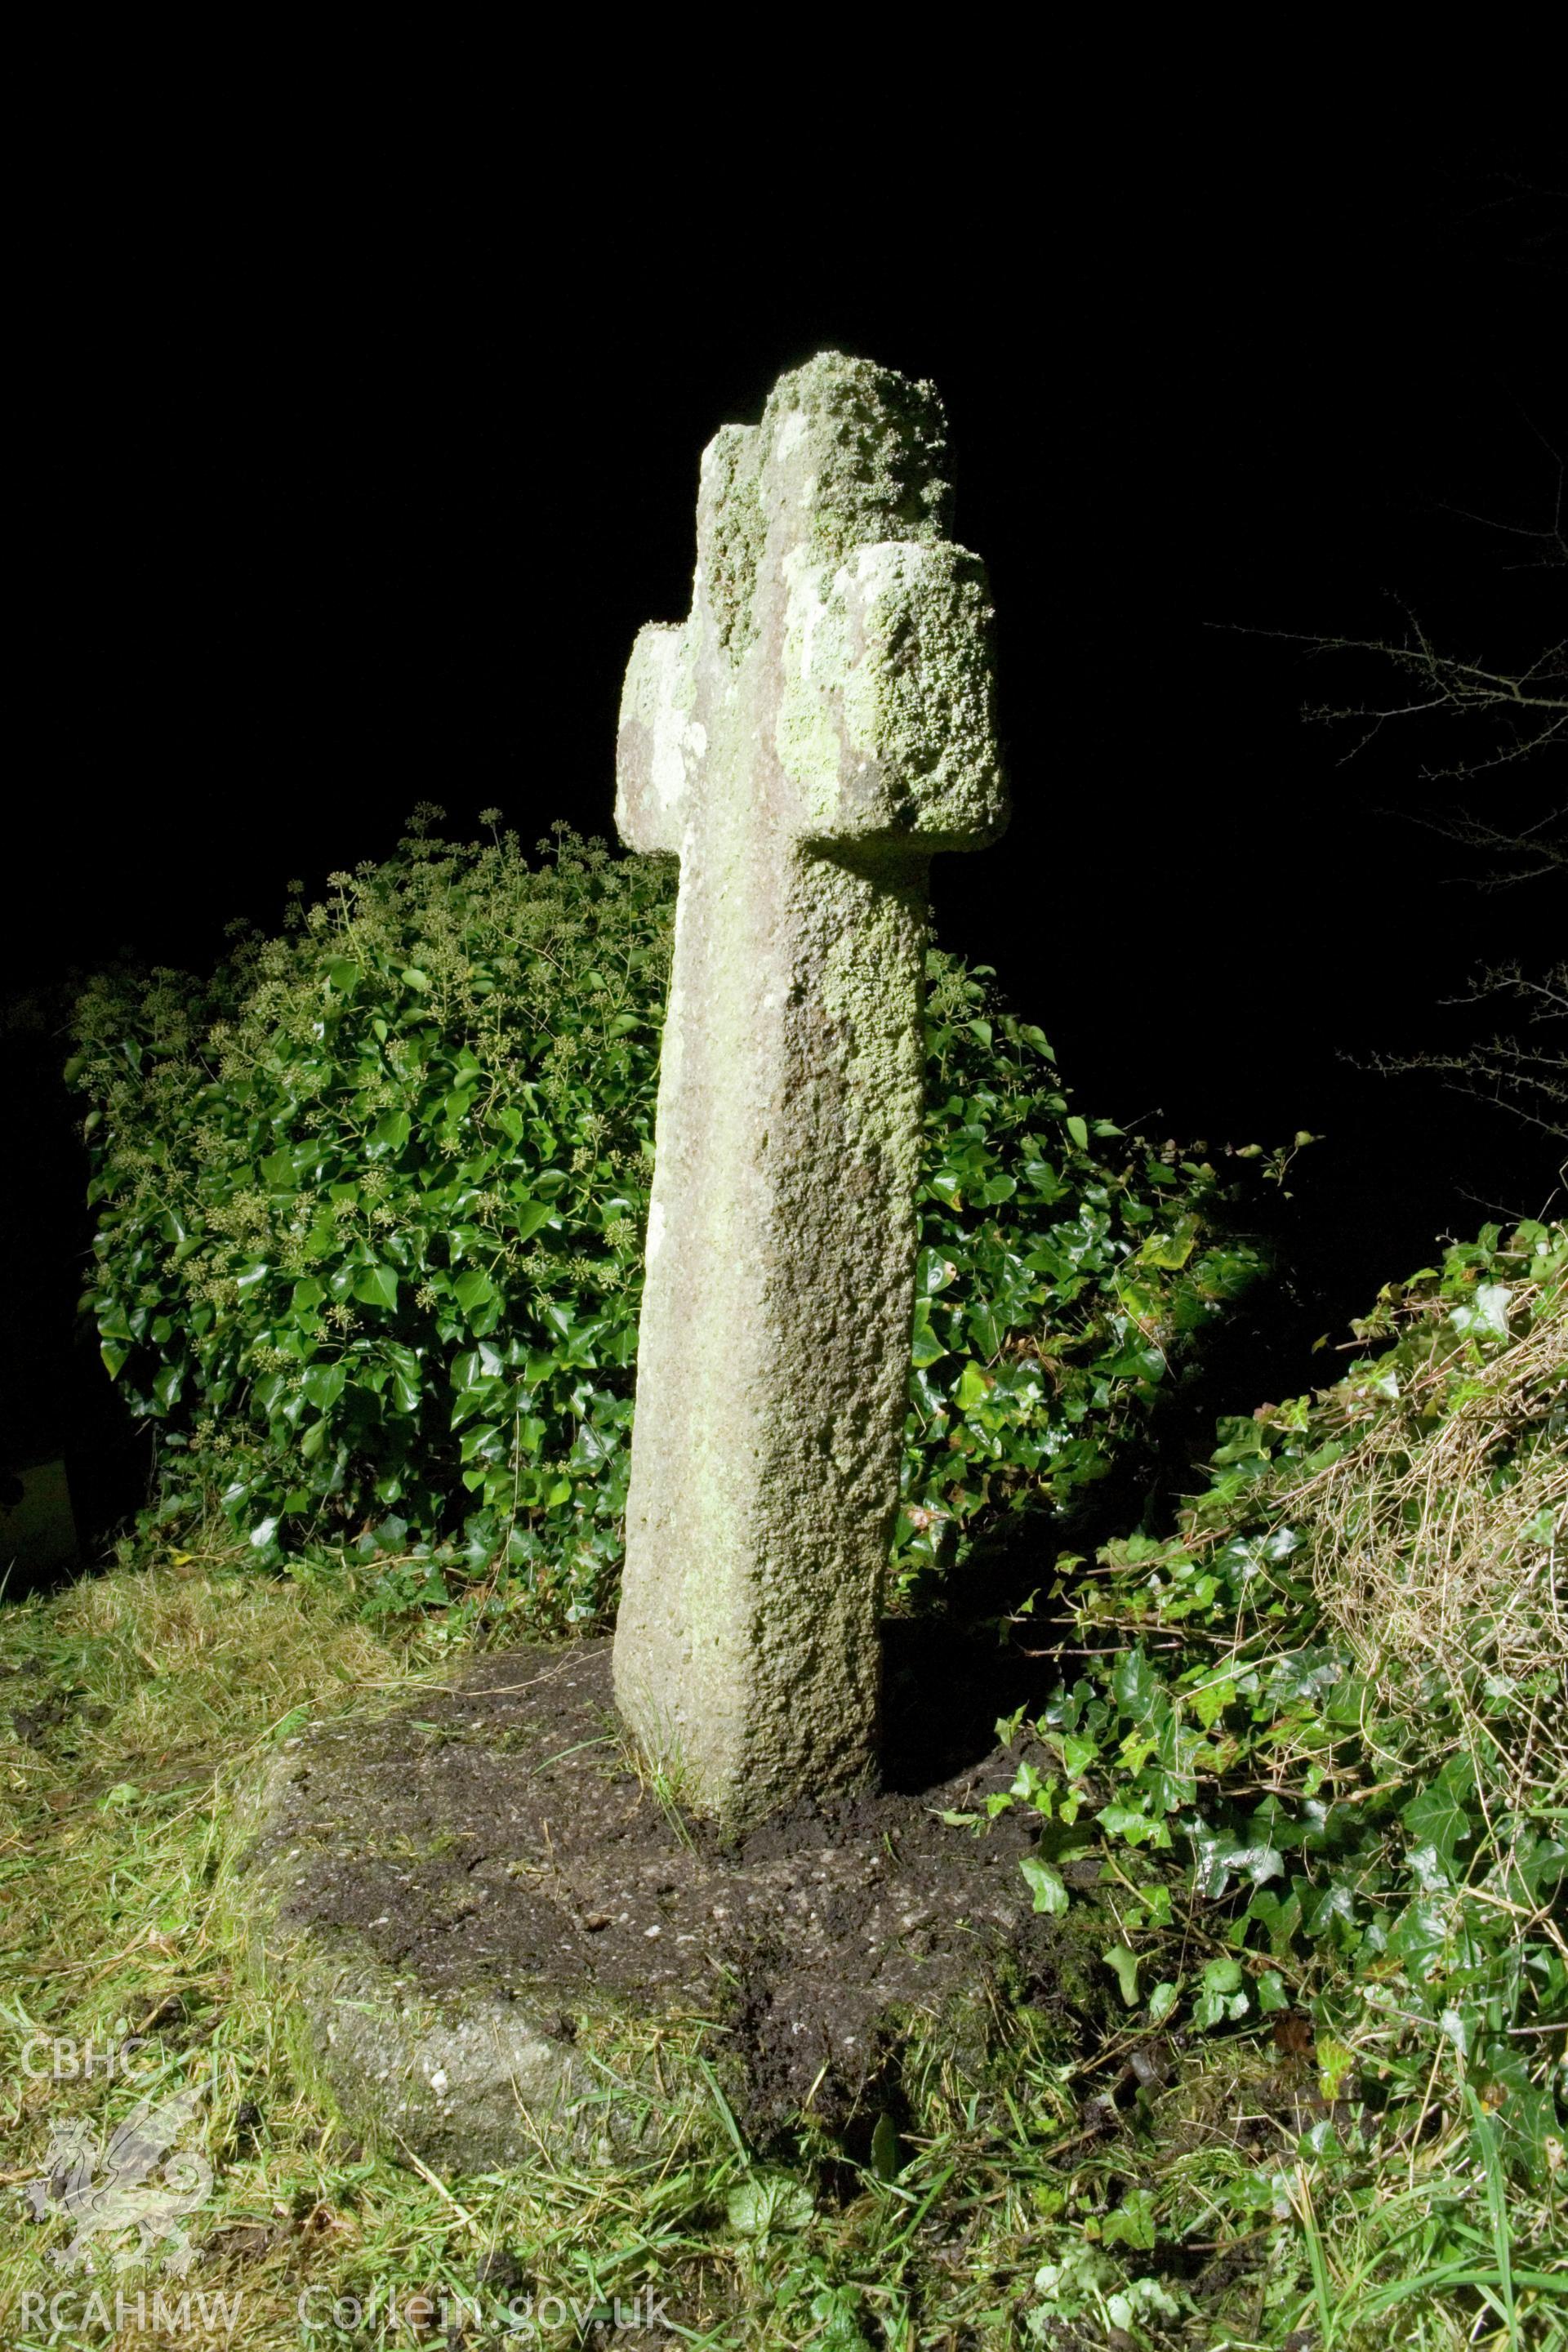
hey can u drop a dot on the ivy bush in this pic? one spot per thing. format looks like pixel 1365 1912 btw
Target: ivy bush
pixel 1318 1741
pixel 370 1202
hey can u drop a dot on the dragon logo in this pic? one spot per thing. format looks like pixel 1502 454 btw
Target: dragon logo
pixel 122 2194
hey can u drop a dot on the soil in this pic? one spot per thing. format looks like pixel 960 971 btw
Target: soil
pixel 496 1841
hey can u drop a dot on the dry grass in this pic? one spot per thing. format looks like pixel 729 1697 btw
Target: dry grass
pixel 1437 1539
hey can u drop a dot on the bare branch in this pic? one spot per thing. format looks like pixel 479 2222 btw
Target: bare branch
pixel 1522 707
pixel 1527 854
pixel 1551 542
pixel 1523 703
pixel 1525 1075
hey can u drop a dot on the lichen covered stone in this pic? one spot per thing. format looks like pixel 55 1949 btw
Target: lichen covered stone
pixel 818 728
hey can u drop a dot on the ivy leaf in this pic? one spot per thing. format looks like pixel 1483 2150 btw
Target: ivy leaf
pixel 1132 1827
pixel 1485 1312
pixel 1257 1863
pixel 473 1290
pixel 1124 1964
pixel 925 1347
pixel 323 1383
pixel 1437 1815
pixel 1049 1888
pixel 933 1272
pixel 1337 1901
pixel 278 1171
pixel 376 1286
pixel 1220 1997
pixel 1132 1685
pixel 1210 1701
pixel 1419 1938
pixel 1170 1251
pixel 389 1135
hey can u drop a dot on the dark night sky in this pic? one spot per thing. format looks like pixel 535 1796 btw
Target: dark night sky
pixel 332 511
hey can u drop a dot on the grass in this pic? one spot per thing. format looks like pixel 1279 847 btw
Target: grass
pixel 147 1701
pixel 1435 1539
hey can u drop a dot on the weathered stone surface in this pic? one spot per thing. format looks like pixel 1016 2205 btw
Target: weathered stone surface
pixel 817 728
pixel 403 1886
pixel 498 1941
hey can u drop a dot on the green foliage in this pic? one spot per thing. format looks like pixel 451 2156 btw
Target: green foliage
pixel 1064 1265
pixel 369 1207
pixel 1317 1739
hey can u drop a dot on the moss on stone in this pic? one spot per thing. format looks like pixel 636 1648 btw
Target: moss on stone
pixel 731 548
pixel 878 443
pixel 927 699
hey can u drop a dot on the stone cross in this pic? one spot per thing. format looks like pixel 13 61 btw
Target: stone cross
pixel 817 728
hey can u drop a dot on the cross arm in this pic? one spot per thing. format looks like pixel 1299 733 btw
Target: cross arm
pixel 661 743
pixel 885 718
